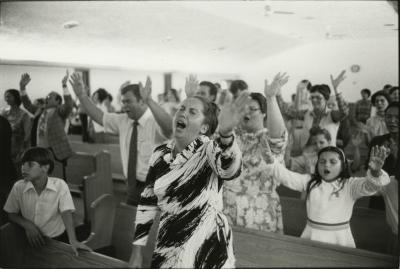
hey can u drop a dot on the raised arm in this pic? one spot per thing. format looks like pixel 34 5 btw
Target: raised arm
pixel 65 109
pixel 91 109
pixel 289 112
pixel 163 119
pixel 275 124
pixel 292 180
pixel 26 102
pixel 376 177
pixel 224 154
pixel 343 112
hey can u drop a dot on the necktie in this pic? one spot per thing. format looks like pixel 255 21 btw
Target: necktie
pixel 132 161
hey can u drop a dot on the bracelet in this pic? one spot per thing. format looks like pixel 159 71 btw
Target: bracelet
pixel 64 85
pixel 228 136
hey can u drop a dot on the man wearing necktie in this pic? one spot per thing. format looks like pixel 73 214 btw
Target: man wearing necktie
pixel 142 127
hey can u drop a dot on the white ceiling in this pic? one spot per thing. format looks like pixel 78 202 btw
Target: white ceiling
pixel 200 36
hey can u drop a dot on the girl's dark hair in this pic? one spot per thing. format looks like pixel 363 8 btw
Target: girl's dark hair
pixel 102 94
pixel 344 175
pixel 261 100
pixel 40 155
pixel 16 96
pixel 211 112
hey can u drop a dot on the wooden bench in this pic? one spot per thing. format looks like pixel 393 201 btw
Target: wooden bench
pixel 15 252
pixel 369 227
pixel 264 249
pixel 114 225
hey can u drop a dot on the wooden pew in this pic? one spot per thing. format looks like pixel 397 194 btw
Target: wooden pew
pixel 15 252
pixel 98 183
pixel 263 249
pixel 369 227
pixel 114 226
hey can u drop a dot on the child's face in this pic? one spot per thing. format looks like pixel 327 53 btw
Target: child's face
pixel 329 166
pixel 33 170
pixel 320 142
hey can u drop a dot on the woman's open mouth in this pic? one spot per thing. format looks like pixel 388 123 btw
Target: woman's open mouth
pixel 180 124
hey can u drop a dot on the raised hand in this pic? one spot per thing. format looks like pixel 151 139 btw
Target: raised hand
pixel 75 245
pixel 145 92
pixel 25 79
pixel 65 79
pixel 377 158
pixel 77 84
pixel 273 89
pixel 232 113
pixel 336 81
pixel 191 85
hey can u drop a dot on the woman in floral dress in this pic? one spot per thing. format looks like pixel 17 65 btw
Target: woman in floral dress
pixel 251 201
pixel 20 124
pixel 184 183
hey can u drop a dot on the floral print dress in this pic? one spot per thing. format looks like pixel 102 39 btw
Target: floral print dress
pixel 251 200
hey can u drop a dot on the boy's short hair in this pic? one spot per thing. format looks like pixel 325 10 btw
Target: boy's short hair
pixel 40 155
pixel 316 130
pixel 366 91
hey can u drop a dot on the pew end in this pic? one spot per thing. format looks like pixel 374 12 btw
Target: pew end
pixel 102 215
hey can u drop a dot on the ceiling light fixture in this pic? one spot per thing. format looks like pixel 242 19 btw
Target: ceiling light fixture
pixel 70 24
pixel 283 12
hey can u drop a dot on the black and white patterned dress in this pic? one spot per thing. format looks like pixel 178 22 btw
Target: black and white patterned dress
pixel 193 232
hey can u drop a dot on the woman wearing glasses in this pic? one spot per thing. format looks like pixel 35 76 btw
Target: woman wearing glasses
pixel 251 200
pixel 320 115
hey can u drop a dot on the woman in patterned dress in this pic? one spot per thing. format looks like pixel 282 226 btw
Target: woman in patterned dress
pixel 251 200
pixel 20 124
pixel 184 182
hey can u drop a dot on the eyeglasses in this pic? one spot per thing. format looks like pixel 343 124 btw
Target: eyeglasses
pixel 253 109
pixel 315 97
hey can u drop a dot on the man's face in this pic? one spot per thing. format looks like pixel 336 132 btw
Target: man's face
pixel 364 95
pixel 131 105
pixel 51 100
pixel 204 91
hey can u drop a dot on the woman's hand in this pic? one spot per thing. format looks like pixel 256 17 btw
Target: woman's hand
pixel 336 81
pixel 145 92
pixel 25 79
pixel 65 79
pixel 232 113
pixel 377 159
pixel 77 84
pixel 191 85
pixel 274 88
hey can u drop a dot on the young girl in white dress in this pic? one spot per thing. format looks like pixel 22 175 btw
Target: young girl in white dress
pixel 331 192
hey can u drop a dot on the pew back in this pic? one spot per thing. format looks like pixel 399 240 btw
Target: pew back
pixel 15 252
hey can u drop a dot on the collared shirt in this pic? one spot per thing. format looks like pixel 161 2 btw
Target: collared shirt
pixel 376 126
pixel 149 136
pixel 324 120
pixel 97 127
pixel 363 110
pixel 43 210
